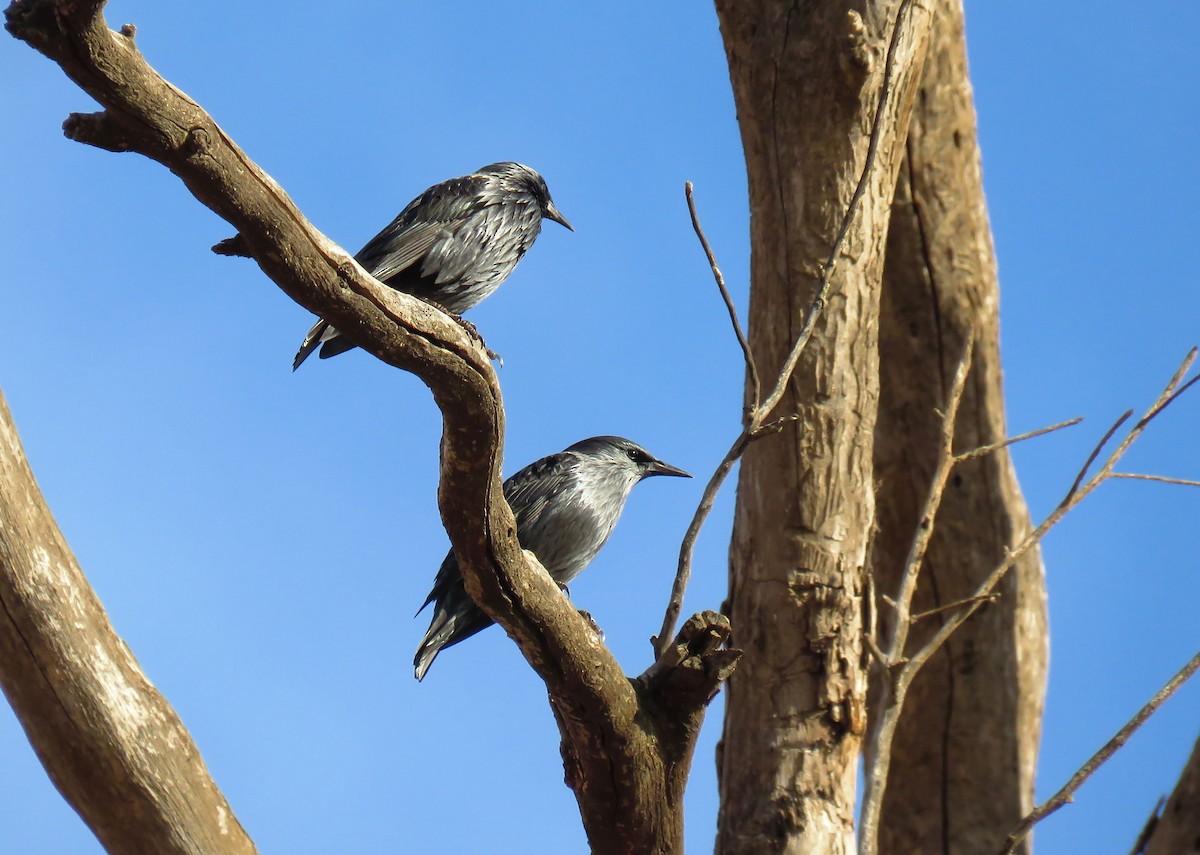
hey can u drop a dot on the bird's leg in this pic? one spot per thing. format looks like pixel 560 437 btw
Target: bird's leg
pixel 587 616
pixel 474 333
pixel 591 622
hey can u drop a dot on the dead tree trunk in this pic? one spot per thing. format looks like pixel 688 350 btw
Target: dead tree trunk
pixel 964 754
pixel 806 80
pixel 1177 829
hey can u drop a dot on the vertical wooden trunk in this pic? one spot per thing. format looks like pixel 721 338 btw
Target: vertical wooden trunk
pixel 806 79
pixel 1178 828
pixel 963 763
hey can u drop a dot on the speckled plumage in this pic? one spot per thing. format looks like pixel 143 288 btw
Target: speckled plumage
pixel 454 244
pixel 566 507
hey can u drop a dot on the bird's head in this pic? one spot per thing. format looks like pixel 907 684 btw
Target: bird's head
pixel 519 178
pixel 636 462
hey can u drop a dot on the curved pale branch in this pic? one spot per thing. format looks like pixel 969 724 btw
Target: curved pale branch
pixel 111 743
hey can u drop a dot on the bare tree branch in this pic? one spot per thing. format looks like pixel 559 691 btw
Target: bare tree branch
pixel 1162 479
pixel 111 744
pixel 996 446
pixel 1064 795
pixel 627 763
pixel 751 368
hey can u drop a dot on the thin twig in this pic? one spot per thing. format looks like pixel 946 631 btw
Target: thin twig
pixel 1179 374
pixel 684 571
pixel 1100 757
pixel 1087 464
pixel 872 631
pixel 751 368
pixel 949 607
pixel 924 535
pixel 764 409
pixel 1162 479
pixel 984 450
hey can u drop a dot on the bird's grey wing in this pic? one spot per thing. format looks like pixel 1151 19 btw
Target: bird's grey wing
pixel 435 213
pixel 526 493
pixel 532 488
pixel 470 245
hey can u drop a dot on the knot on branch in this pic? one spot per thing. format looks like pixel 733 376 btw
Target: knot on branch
pixel 100 130
pixel 235 246
pixel 690 671
pixel 197 143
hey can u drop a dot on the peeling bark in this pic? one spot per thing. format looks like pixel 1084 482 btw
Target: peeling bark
pixel 965 751
pixel 806 79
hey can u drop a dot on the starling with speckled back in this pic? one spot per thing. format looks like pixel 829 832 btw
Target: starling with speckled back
pixel 454 244
pixel 566 506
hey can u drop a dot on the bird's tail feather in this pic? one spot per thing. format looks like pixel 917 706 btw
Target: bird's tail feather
pixel 336 344
pixel 311 342
pixel 431 645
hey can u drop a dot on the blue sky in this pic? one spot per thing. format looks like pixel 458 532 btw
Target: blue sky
pixel 261 539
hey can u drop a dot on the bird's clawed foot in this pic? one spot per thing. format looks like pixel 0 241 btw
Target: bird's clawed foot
pixel 474 333
pixel 591 622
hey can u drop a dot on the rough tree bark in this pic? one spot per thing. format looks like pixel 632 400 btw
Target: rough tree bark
pixel 966 747
pixel 1177 829
pixel 806 79
pixel 627 744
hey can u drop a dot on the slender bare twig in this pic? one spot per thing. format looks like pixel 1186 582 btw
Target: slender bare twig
pixel 872 630
pixel 1087 464
pixel 949 607
pixel 751 368
pixel 687 548
pixel 1162 479
pixel 762 410
pixel 985 450
pixel 1100 757
pixel 1175 395
pixel 924 535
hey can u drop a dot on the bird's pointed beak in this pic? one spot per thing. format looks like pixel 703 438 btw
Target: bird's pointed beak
pixel 552 213
pixel 660 468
